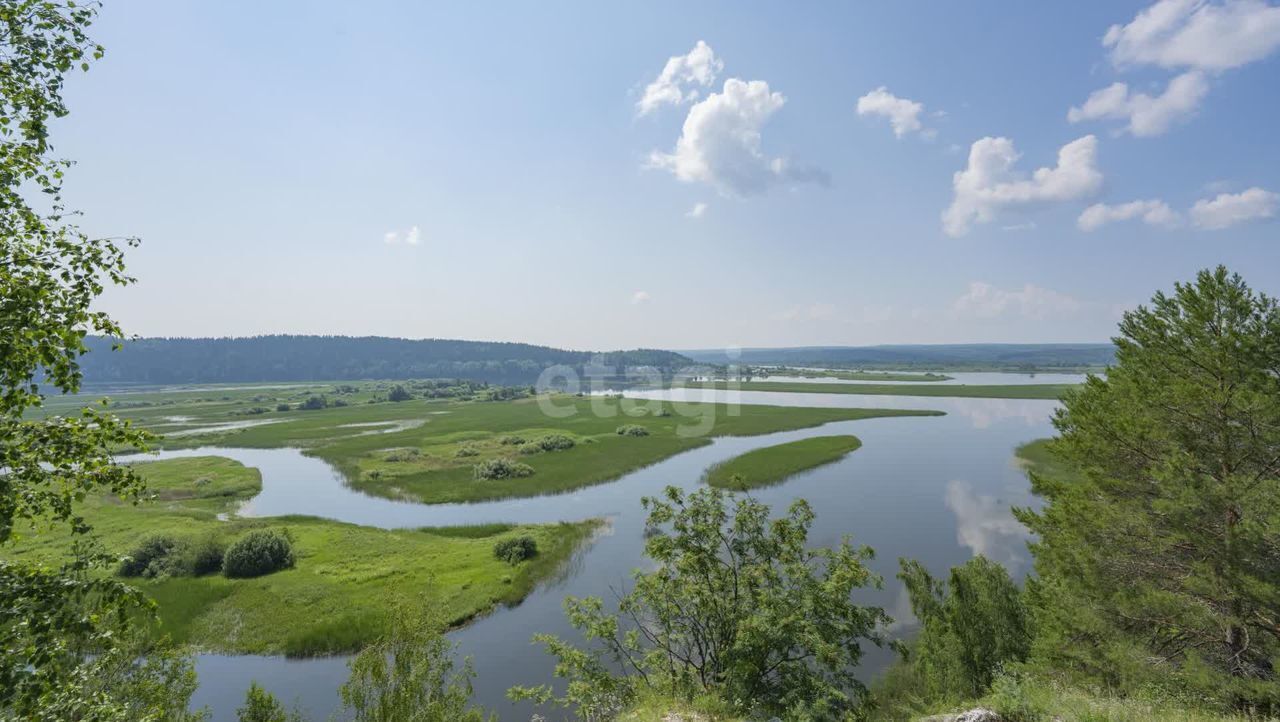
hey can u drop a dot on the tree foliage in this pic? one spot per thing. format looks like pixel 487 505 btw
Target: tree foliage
pixel 739 606
pixel 410 675
pixel 60 627
pixel 262 706
pixel 1161 560
pixel 970 626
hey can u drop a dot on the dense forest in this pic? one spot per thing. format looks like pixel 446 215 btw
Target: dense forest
pixel 972 356
pixel 311 358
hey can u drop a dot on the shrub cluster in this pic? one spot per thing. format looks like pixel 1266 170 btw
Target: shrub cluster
pixel 403 455
pixel 511 440
pixel 514 551
pixel 164 556
pixel 466 451
pixel 259 552
pixel 555 442
pixel 501 469
pixel 313 403
pixel 632 430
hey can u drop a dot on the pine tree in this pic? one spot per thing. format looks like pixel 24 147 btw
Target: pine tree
pixel 1160 561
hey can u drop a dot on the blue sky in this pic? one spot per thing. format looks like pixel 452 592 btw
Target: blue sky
pixel 275 159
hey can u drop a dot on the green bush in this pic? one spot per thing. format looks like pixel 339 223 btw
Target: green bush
pixel 632 430
pixel 465 451
pixel 314 403
pixel 262 706
pixel 283 407
pixel 259 552
pixel 555 442
pixel 501 469
pixel 514 551
pixel 165 556
pixel 148 559
pixel 529 449
pixel 203 557
pixel 511 440
pixel 398 393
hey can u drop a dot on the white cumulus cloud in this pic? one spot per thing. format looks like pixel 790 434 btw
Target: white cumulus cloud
pixel 698 210
pixel 990 183
pixel 903 114
pixel 639 297
pixel 1197 34
pixel 1152 212
pixel 984 300
pixel 1228 209
pixel 720 142
pixel 680 79
pixel 1146 115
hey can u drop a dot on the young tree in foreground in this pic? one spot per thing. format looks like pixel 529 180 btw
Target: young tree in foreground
pixel 970 626
pixel 1161 562
pixel 65 647
pixel 410 676
pixel 738 608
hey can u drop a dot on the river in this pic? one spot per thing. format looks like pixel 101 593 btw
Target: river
pixel 937 489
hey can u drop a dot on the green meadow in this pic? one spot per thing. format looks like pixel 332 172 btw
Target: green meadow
pixel 991 391
pixel 345 581
pixel 775 464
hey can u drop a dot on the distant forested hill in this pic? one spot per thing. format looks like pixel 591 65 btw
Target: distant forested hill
pixel 315 358
pixel 954 356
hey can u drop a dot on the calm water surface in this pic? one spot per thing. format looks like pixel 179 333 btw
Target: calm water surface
pixel 934 488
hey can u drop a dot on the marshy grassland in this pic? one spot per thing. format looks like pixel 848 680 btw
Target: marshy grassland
pixel 775 464
pixel 986 391
pixel 429 450
pixel 346 578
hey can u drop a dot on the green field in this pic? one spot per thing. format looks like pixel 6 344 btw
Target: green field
pixel 346 578
pixel 774 464
pixel 1004 391
pixel 427 450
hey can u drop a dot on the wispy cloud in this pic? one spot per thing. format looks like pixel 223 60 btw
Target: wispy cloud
pixel 983 300
pixel 1151 212
pixel 410 237
pixel 639 297
pixel 699 209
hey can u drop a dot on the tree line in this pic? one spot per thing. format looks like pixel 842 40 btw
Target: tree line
pixel 312 358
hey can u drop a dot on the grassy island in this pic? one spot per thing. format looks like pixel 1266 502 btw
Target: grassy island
pixel 775 464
